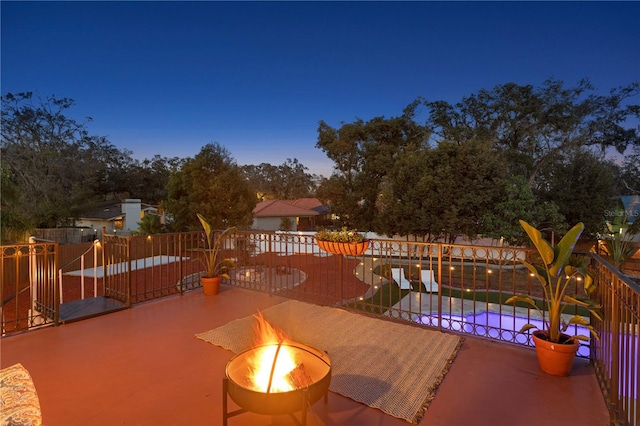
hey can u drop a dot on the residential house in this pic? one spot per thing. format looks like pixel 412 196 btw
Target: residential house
pixel 304 214
pixel 118 217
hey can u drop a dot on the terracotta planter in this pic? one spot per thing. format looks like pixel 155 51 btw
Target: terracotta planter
pixel 349 249
pixel 211 285
pixel 555 358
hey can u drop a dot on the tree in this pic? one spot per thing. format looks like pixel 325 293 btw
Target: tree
pixel 54 167
pixel 364 154
pixel 404 203
pixel 149 178
pixel 518 202
pixel 213 185
pixel 443 192
pixel 297 182
pixel 14 222
pixel 289 180
pixel 581 185
pixel 533 125
pixel 628 179
pixel 150 225
pixel 265 180
pixel 549 135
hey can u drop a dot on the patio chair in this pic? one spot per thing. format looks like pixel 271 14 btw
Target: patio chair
pixel 429 280
pixel 398 277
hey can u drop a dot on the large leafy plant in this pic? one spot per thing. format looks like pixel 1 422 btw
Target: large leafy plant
pixel 619 235
pixel 558 272
pixel 214 264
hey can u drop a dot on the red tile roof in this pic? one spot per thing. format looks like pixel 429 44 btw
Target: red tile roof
pixel 305 203
pixel 278 208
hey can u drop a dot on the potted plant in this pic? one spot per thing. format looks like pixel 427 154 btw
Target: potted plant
pixel 215 267
pixel 343 241
pixel 619 235
pixel 557 271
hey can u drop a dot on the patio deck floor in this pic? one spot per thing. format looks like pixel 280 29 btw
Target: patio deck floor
pixel 143 366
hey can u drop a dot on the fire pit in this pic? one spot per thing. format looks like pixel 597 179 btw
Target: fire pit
pixel 276 379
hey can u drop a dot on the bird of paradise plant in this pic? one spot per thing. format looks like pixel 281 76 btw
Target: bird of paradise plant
pixel 214 265
pixel 556 273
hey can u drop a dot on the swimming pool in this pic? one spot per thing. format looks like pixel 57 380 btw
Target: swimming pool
pixel 497 325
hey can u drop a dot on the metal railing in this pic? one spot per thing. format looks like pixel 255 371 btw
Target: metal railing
pixel 92 253
pixel 458 288
pixel 29 290
pixel 141 268
pixel 615 357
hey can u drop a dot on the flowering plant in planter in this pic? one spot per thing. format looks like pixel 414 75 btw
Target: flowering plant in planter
pixel 343 235
pixel 343 241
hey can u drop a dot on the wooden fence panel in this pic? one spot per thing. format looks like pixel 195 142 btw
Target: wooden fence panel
pixel 66 235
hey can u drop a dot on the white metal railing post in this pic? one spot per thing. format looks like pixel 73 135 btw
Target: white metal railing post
pixel 96 243
pixel 32 273
pixel 60 281
pixel 82 277
pixel 439 294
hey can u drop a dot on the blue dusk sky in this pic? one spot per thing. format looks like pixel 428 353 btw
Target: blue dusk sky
pixel 169 77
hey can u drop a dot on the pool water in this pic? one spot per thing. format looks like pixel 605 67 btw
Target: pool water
pixel 498 326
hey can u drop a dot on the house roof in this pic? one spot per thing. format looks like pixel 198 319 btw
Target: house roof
pixel 278 208
pixel 309 204
pixel 110 210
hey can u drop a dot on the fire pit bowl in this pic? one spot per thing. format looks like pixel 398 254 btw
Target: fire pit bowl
pixel 311 379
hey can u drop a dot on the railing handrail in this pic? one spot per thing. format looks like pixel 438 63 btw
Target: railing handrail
pixel 622 277
pixel 91 247
pixel 14 295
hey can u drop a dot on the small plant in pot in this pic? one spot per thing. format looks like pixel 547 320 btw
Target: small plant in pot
pixel 215 266
pixel 557 271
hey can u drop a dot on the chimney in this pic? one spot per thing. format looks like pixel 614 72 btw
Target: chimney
pixel 131 208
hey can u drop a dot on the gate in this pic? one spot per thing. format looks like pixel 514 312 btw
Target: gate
pixel 117 268
pixel 140 268
pixel 29 290
pixel 43 271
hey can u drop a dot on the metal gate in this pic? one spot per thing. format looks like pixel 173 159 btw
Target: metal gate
pixel 29 290
pixel 117 268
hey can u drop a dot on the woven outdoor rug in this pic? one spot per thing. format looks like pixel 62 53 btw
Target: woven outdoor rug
pixel 393 367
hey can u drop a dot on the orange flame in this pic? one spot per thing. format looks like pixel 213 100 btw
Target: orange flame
pixel 266 334
pixel 273 362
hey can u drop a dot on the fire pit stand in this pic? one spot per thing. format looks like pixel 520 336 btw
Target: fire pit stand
pixel 317 374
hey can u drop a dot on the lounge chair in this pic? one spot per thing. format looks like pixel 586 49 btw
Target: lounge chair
pixel 429 280
pixel 398 277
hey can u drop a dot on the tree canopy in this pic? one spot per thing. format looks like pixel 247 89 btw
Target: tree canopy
pixel 53 169
pixel 287 181
pixel 476 166
pixel 470 168
pixel 365 153
pixel 213 185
